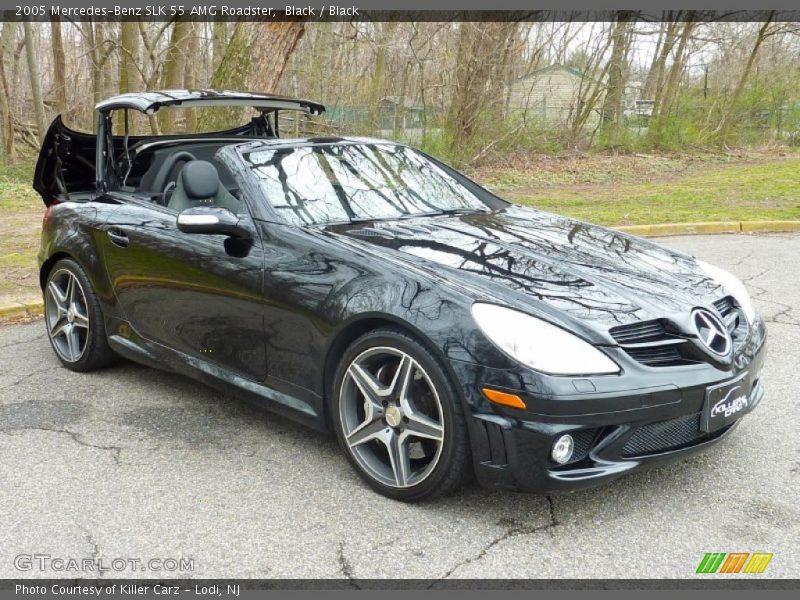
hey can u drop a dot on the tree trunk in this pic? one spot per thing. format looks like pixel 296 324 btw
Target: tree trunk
pixel 36 80
pixel 8 40
pixel 590 89
pixel 272 47
pixel 190 77
pixel 676 71
pixel 174 71
pixel 660 65
pixel 230 74
pixel 668 90
pixel 92 52
pixel 7 154
pixel 59 67
pixel 233 68
pixel 475 82
pixel 219 42
pixel 379 75
pixel 399 122
pixel 612 103
pixel 252 61
pixel 728 114
pixel 103 49
pixel 129 76
pixel 648 89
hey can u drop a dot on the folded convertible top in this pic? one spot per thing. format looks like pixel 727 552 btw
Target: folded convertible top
pixel 150 102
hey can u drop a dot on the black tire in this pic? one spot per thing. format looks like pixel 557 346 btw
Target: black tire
pixel 96 353
pixel 454 467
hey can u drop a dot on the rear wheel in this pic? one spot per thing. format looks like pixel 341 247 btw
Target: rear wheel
pixel 74 320
pixel 398 417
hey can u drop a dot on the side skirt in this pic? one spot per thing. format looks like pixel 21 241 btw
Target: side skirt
pixel 152 354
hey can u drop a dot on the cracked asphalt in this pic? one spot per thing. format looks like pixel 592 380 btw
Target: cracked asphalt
pixel 135 463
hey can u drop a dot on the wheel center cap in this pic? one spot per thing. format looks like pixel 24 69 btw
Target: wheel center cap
pixel 70 315
pixel 393 416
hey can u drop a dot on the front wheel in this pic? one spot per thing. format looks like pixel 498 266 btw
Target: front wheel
pixel 399 419
pixel 74 319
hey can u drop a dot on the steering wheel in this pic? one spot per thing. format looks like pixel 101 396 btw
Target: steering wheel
pixel 160 180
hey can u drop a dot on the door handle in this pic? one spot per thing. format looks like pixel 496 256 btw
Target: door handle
pixel 118 237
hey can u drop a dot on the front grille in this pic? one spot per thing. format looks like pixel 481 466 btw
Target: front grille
pixel 739 332
pixel 734 320
pixel 668 435
pixel 635 333
pixel 657 343
pixel 725 306
pixel 649 343
pixel 657 356
pixel 663 435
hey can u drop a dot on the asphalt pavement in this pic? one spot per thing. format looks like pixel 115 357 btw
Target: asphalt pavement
pixel 134 464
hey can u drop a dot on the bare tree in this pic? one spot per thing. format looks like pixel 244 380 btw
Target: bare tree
pixel 456 87
pixel 727 115
pixel 611 114
pixel 129 59
pixel 190 75
pixel 274 43
pixel 36 79
pixel 219 42
pixel 59 67
pixel 174 69
pixel 7 42
pixel 475 80
pixel 385 33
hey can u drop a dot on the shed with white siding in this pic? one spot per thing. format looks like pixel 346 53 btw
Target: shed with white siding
pixel 551 94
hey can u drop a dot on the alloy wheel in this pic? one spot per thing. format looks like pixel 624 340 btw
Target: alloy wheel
pixel 67 315
pixel 391 417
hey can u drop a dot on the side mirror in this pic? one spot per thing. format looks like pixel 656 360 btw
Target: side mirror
pixel 212 220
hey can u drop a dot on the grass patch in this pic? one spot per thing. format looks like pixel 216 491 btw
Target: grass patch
pixel 738 192
pixel 21 211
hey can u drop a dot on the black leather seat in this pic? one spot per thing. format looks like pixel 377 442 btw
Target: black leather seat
pixel 199 184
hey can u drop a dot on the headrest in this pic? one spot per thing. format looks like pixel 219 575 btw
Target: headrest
pixel 200 179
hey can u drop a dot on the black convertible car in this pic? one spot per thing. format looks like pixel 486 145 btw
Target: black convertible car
pixel 362 286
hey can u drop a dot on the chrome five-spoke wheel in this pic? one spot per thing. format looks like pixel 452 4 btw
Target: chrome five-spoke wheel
pixel 67 315
pixel 391 417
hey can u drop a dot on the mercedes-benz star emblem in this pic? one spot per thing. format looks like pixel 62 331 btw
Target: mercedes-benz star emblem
pixel 711 331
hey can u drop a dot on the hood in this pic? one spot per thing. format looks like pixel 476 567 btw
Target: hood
pixel 523 257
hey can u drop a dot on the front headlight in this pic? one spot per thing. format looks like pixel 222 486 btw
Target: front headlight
pixel 539 344
pixel 733 286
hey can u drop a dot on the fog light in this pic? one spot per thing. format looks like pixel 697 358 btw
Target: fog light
pixel 562 449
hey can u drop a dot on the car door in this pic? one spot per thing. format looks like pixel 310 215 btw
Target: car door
pixel 200 294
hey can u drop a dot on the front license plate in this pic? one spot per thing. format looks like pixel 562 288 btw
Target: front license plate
pixel 725 403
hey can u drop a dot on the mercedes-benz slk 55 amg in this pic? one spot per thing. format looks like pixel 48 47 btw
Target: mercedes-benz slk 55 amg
pixel 361 286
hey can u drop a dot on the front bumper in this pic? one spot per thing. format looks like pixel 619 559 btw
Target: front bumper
pixel 616 432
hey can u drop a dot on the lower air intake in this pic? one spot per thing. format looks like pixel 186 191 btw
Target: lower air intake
pixel 667 435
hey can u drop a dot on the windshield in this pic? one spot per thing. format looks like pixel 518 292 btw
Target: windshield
pixel 352 182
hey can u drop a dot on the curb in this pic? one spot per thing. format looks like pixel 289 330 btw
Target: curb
pixel 18 310
pixel 709 227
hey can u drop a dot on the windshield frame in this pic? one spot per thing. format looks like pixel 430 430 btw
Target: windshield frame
pixel 269 213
